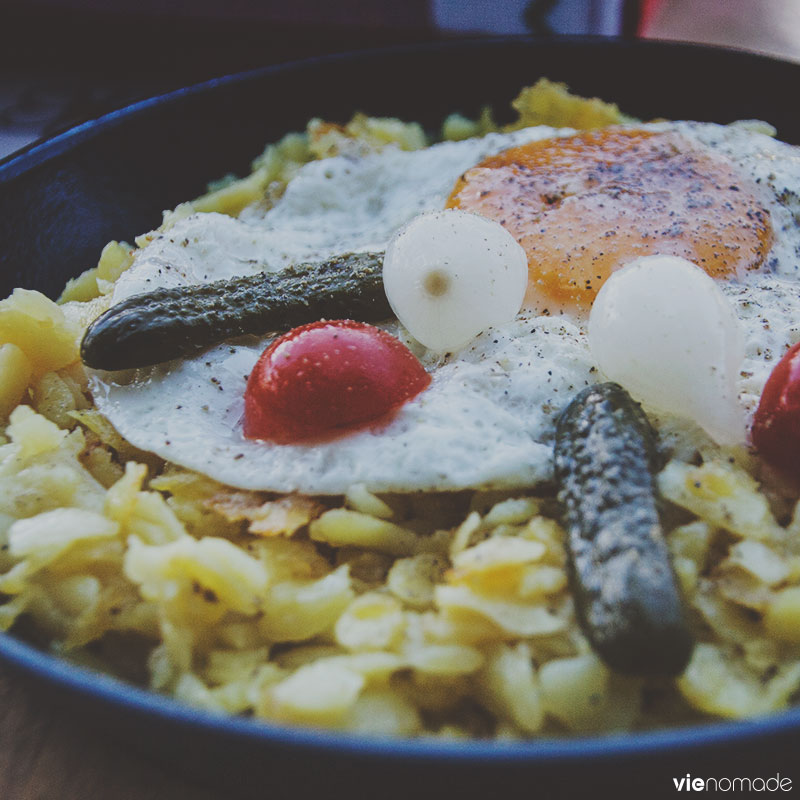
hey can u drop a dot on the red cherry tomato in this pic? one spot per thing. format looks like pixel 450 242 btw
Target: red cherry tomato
pixel 321 378
pixel 776 424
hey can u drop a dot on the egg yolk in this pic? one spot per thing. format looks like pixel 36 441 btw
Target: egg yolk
pixel 582 206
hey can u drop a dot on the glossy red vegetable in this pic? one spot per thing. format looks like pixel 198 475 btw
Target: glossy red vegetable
pixel 776 424
pixel 328 377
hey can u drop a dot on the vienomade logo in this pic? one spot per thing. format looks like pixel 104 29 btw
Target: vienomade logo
pixel 776 783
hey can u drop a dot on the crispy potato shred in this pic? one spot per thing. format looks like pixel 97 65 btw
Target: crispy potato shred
pixel 428 614
pixel 281 517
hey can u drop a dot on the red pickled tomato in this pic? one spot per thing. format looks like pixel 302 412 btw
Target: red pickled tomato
pixel 776 424
pixel 326 376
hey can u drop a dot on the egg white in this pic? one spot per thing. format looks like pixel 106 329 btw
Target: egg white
pixel 487 419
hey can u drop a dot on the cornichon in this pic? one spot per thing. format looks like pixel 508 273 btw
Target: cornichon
pixel 170 323
pixel 626 596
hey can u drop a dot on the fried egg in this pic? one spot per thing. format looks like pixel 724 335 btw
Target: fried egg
pixel 725 197
pixel 582 205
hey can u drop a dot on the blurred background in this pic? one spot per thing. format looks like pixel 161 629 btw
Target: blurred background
pixel 65 61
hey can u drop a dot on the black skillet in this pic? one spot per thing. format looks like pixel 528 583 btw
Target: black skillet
pixel 63 199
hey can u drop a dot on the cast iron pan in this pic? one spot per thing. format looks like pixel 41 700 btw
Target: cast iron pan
pixel 63 199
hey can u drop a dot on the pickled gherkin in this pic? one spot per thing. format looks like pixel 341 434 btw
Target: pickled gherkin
pixel 175 322
pixel 626 594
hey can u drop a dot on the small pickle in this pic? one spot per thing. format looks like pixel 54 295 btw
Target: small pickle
pixel 626 594
pixel 172 323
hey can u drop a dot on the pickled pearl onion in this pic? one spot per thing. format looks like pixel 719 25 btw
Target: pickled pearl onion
pixel 448 275
pixel 662 328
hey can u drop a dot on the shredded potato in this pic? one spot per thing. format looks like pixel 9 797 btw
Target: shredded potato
pixel 437 614
pixel 548 103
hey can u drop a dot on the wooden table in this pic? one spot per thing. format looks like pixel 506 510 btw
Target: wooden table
pixel 45 754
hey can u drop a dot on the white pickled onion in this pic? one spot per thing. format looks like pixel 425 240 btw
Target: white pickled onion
pixel 663 329
pixel 449 275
